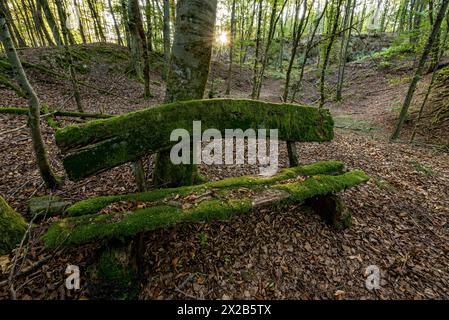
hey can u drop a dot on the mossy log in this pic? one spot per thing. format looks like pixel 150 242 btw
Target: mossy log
pixel 12 227
pixel 103 144
pixel 24 111
pixel 117 217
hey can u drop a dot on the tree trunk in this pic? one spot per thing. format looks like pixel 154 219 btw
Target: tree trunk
pixel 333 35
pixel 344 47
pixel 68 54
pixel 189 69
pixel 34 115
pixel 125 21
pixel 51 21
pixel 42 24
pixel 272 29
pixel 16 35
pixel 80 23
pixel 420 68
pixel 297 37
pixel 149 12
pixel 167 40
pixel 117 29
pixel 231 50
pixel 139 45
pixel 256 56
pixel 309 47
pixel 97 21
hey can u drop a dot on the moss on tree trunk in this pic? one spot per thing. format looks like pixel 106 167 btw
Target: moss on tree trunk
pixel 12 227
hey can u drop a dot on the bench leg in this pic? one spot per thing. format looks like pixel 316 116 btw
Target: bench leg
pixel 115 273
pixel 332 209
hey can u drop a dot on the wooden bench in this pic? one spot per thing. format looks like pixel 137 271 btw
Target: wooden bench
pixel 103 144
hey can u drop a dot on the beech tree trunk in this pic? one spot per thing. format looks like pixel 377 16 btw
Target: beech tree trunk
pixel 34 113
pixel 231 50
pixel 76 92
pixel 139 45
pixel 117 29
pixel 189 70
pixel 51 21
pixel 167 40
pixel 419 70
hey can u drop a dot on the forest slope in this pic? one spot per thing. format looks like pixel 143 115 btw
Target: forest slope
pixel 400 216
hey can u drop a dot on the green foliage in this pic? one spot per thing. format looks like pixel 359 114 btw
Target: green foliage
pixel 398 50
pixel 419 167
pixel 202 238
pixel 383 184
pixel 348 122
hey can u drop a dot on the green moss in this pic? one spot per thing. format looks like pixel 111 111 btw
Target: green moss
pixel 96 227
pixel 104 144
pixel 12 227
pixel 14 110
pixel 322 185
pixel 75 231
pixel 113 277
pixel 419 167
pixel 93 205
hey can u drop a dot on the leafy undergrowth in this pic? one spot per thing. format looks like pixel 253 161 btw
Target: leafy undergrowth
pixel 400 218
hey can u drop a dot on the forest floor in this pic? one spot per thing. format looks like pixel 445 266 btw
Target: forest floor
pixel 400 217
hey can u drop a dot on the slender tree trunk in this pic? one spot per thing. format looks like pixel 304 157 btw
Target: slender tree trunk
pixel 42 24
pixel 68 54
pixel 189 69
pixel 345 46
pixel 34 113
pixel 125 21
pixel 333 35
pixel 296 39
pixel 271 31
pixel 51 21
pixel 436 45
pixel 151 21
pixel 139 45
pixel 117 29
pixel 37 23
pixel 167 37
pixel 23 11
pixel 257 54
pixel 231 49
pixel 80 22
pixel 420 68
pixel 97 20
pixel 309 46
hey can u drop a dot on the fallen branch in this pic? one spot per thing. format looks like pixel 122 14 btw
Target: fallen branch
pixel 24 111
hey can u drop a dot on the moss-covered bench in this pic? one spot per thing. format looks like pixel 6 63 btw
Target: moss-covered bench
pixel 99 145
pixel 112 217
pixel 103 144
